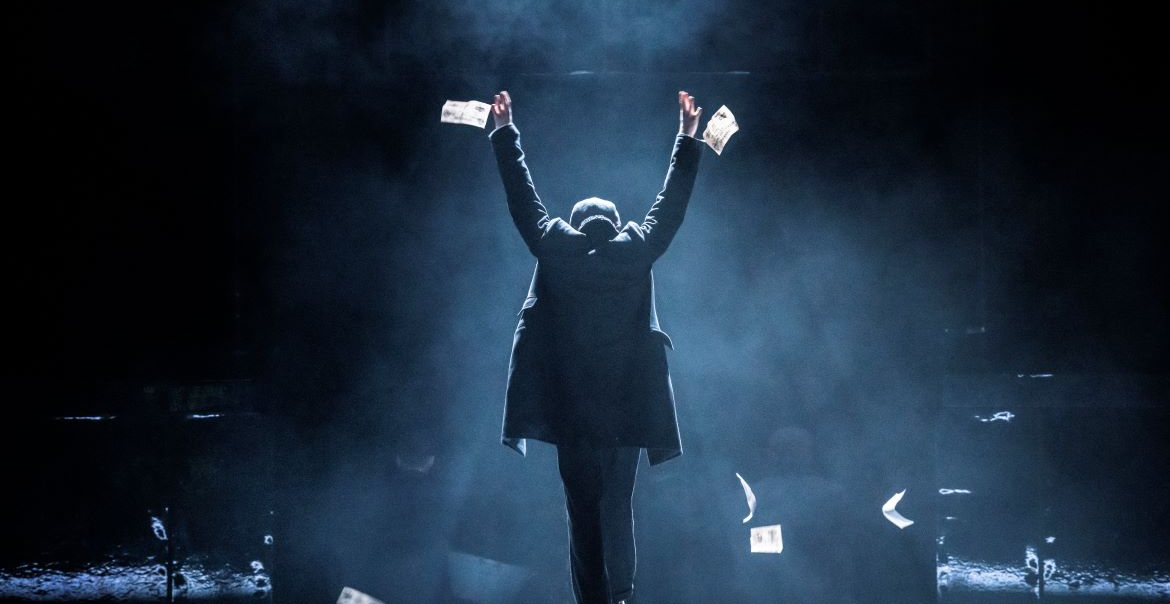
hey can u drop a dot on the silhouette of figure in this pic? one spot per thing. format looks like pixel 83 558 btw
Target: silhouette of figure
pixel 588 370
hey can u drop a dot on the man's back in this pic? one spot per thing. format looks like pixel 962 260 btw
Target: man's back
pixel 588 369
pixel 600 293
pixel 588 358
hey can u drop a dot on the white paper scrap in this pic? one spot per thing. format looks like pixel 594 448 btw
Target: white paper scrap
pixel 472 113
pixel 751 498
pixel 767 540
pixel 998 416
pixel 892 515
pixel 720 128
pixel 350 595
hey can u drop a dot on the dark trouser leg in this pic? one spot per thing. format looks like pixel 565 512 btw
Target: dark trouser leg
pixel 599 489
pixel 581 475
pixel 619 469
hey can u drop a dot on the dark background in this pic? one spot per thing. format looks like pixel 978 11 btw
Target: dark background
pixel 261 198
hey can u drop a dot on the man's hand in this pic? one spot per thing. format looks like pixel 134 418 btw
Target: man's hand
pixel 502 109
pixel 688 114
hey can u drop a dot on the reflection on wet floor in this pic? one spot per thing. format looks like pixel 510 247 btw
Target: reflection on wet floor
pixel 1092 476
pixel 959 574
pixel 194 578
pixel 139 508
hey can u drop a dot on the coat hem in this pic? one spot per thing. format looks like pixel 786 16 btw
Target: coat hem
pixel 655 455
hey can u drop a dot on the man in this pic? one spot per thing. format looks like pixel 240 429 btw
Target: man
pixel 588 369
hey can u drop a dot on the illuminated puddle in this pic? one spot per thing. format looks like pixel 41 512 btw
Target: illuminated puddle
pixel 956 574
pixel 144 581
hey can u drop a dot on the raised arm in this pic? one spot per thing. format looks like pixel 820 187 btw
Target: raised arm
pixel 666 215
pixel 528 213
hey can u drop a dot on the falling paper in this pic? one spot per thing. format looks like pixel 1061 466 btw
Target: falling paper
pixel 472 113
pixel 954 491
pixel 767 540
pixel 350 595
pixel 892 515
pixel 751 497
pixel 720 128
pixel 998 416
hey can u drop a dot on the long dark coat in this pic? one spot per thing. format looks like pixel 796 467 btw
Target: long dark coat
pixel 588 362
